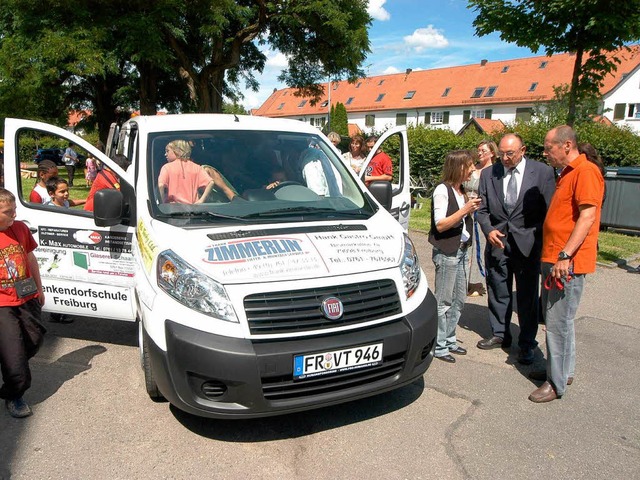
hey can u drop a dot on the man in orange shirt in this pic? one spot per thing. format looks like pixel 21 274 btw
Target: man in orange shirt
pixel 569 249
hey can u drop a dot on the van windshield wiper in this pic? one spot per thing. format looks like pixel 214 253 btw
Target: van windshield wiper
pixel 203 213
pixel 296 211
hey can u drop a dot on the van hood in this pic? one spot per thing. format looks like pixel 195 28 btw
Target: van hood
pixel 290 253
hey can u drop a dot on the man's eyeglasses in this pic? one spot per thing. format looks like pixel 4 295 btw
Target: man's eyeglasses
pixel 509 154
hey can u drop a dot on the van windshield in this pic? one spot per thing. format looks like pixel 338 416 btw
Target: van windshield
pixel 201 177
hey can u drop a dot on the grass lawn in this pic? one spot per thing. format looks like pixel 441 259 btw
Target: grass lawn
pixel 614 247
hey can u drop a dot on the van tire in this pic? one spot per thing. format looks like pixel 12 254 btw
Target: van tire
pixel 149 381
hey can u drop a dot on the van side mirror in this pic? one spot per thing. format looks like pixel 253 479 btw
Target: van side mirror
pixel 108 207
pixel 381 191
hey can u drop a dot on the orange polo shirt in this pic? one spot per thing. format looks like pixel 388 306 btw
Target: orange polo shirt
pixel 580 183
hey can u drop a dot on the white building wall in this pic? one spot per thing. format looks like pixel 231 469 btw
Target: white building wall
pixel 627 92
pixel 387 118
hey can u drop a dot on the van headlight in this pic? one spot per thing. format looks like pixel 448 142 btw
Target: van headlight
pixel 410 267
pixel 192 288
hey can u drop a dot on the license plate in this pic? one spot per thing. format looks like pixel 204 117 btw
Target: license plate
pixel 337 361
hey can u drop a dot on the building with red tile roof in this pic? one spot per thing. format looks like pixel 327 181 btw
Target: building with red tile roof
pixel 504 90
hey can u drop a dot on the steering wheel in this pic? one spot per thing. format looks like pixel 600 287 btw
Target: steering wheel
pixel 286 183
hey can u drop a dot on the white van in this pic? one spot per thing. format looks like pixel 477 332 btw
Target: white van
pixel 279 300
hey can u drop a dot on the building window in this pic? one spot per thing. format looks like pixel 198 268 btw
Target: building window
pixel 325 103
pixel 380 97
pixel 369 120
pixel 401 118
pixel 446 91
pixel 533 86
pixel 302 103
pixel 477 113
pixel 281 106
pixel 505 69
pixel 477 92
pixel 524 114
pixel 358 85
pixel 409 95
pixel 618 111
pixel 634 110
pixel 349 100
pixel 436 118
pixel 381 82
pixel 491 91
pixel 336 85
pixel 543 64
pixel 318 122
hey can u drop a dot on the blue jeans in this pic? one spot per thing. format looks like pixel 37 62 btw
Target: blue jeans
pixel 559 310
pixel 450 293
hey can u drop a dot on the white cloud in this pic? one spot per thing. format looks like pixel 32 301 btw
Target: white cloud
pixel 424 38
pixel 390 71
pixel 377 11
pixel 276 60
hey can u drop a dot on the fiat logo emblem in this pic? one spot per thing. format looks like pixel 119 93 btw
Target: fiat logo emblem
pixel 332 308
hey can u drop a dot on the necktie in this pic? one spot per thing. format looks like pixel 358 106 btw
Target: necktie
pixel 512 191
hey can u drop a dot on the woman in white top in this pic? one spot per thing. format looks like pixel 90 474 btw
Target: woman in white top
pixel 451 237
pixel 355 157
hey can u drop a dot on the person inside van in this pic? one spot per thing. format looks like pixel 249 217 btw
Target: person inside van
pixel 223 190
pixel 106 178
pixel 181 180
pixel 46 170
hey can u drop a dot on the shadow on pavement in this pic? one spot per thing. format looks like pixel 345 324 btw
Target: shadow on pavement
pixel 47 380
pixel 97 330
pixel 304 423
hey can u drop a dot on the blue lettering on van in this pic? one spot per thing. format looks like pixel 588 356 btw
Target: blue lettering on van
pixel 241 251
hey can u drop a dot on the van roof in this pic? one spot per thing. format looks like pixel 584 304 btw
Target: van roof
pixel 219 121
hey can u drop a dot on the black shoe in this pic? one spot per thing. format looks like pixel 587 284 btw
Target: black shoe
pixel 60 318
pixel 525 357
pixel 458 350
pixel 447 358
pixel 493 342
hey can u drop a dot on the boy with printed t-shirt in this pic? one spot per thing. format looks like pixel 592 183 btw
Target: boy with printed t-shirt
pixel 21 300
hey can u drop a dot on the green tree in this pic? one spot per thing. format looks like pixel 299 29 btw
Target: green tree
pixel 182 55
pixel 591 29
pixel 339 119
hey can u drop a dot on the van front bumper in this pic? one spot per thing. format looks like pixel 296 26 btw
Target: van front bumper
pixel 222 377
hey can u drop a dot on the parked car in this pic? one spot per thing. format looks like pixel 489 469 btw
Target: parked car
pixel 53 154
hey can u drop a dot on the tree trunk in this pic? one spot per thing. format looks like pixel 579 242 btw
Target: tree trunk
pixel 573 91
pixel 104 106
pixel 148 88
pixel 209 92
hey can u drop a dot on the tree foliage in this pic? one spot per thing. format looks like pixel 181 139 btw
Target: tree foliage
pixel 339 119
pixel 180 55
pixel 591 29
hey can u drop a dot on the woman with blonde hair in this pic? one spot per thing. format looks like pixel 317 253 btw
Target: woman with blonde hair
pixel 487 155
pixel 451 237
pixel 181 180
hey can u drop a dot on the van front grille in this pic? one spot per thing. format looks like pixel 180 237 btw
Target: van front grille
pixel 300 310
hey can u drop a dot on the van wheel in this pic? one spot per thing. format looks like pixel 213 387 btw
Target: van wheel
pixel 149 381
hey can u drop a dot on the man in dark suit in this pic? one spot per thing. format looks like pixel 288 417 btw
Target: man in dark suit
pixel 515 195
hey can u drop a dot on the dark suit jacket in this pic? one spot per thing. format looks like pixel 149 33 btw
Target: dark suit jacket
pixel 525 221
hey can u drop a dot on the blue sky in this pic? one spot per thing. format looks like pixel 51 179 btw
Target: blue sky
pixel 416 34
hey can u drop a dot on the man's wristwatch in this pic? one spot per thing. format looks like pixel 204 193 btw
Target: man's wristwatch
pixel 564 256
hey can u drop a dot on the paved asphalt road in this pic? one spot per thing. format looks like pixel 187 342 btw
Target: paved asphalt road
pixel 93 419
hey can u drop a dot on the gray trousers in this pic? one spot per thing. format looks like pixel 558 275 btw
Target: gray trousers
pixel 559 310
pixel 450 293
